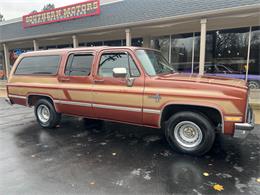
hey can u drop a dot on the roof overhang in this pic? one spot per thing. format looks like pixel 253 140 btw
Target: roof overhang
pixel 247 10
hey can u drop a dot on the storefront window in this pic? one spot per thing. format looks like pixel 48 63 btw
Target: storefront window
pixel 196 59
pixel 94 44
pixel 113 43
pixel 226 53
pixel 181 52
pixel 162 44
pixel 137 42
pixel 51 47
pixel 254 60
pixel 64 46
pixel 15 53
pixel 82 44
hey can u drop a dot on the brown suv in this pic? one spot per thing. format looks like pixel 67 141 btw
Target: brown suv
pixel 131 85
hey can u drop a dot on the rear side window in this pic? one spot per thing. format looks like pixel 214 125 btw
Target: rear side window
pixel 38 65
pixel 79 65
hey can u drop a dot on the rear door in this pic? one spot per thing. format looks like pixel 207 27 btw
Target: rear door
pixel 112 97
pixel 76 81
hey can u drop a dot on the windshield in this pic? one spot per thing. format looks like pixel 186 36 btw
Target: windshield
pixel 153 62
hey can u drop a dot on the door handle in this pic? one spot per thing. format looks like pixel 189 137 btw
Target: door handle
pixel 99 80
pixel 64 79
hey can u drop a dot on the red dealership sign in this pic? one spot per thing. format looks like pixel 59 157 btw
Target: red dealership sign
pixel 79 10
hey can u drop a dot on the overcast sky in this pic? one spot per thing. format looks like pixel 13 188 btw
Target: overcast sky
pixel 17 8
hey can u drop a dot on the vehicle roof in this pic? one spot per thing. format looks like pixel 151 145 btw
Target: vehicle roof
pixel 66 50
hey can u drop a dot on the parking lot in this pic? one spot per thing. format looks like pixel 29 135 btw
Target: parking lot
pixel 116 159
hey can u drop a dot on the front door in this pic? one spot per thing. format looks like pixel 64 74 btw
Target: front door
pixel 113 99
pixel 76 82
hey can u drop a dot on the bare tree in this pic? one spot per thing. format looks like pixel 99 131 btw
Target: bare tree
pixel 2 17
pixel 45 8
pixel 33 12
pixel 48 7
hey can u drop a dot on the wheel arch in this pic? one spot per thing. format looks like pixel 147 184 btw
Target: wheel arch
pixel 170 108
pixel 32 98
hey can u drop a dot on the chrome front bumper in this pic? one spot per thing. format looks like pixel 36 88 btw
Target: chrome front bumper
pixel 243 129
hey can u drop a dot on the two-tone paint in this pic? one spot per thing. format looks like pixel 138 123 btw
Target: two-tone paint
pixel 141 104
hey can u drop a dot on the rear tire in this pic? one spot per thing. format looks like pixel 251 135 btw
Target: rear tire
pixel 46 115
pixel 190 133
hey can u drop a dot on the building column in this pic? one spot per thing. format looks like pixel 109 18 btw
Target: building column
pixel 203 34
pixel 7 60
pixel 128 37
pixel 147 41
pixel 75 41
pixel 248 52
pixel 35 45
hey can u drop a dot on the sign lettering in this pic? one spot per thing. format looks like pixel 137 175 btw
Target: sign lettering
pixel 79 10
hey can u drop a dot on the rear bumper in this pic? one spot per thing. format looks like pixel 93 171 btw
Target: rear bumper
pixel 7 100
pixel 243 129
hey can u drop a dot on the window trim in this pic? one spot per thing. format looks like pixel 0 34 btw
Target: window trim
pixel 117 51
pixel 55 74
pixel 79 53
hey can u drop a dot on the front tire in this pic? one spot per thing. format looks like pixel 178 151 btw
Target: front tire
pixel 46 115
pixel 190 133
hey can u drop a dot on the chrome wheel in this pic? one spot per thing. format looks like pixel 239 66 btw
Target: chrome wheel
pixel 188 134
pixel 43 113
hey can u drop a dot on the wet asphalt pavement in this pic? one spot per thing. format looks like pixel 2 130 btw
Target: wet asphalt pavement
pixel 116 159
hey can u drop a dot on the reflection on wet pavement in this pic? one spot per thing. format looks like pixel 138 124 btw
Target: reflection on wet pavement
pixel 116 159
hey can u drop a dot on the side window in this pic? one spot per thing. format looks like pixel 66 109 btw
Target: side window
pixel 79 65
pixel 38 65
pixel 109 61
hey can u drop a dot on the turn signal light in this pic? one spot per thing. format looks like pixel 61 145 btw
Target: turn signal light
pixel 233 119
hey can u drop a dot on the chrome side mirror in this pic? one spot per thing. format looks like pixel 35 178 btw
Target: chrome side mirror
pixel 122 73
pixel 119 72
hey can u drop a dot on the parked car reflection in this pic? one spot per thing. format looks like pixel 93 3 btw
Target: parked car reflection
pixel 225 71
